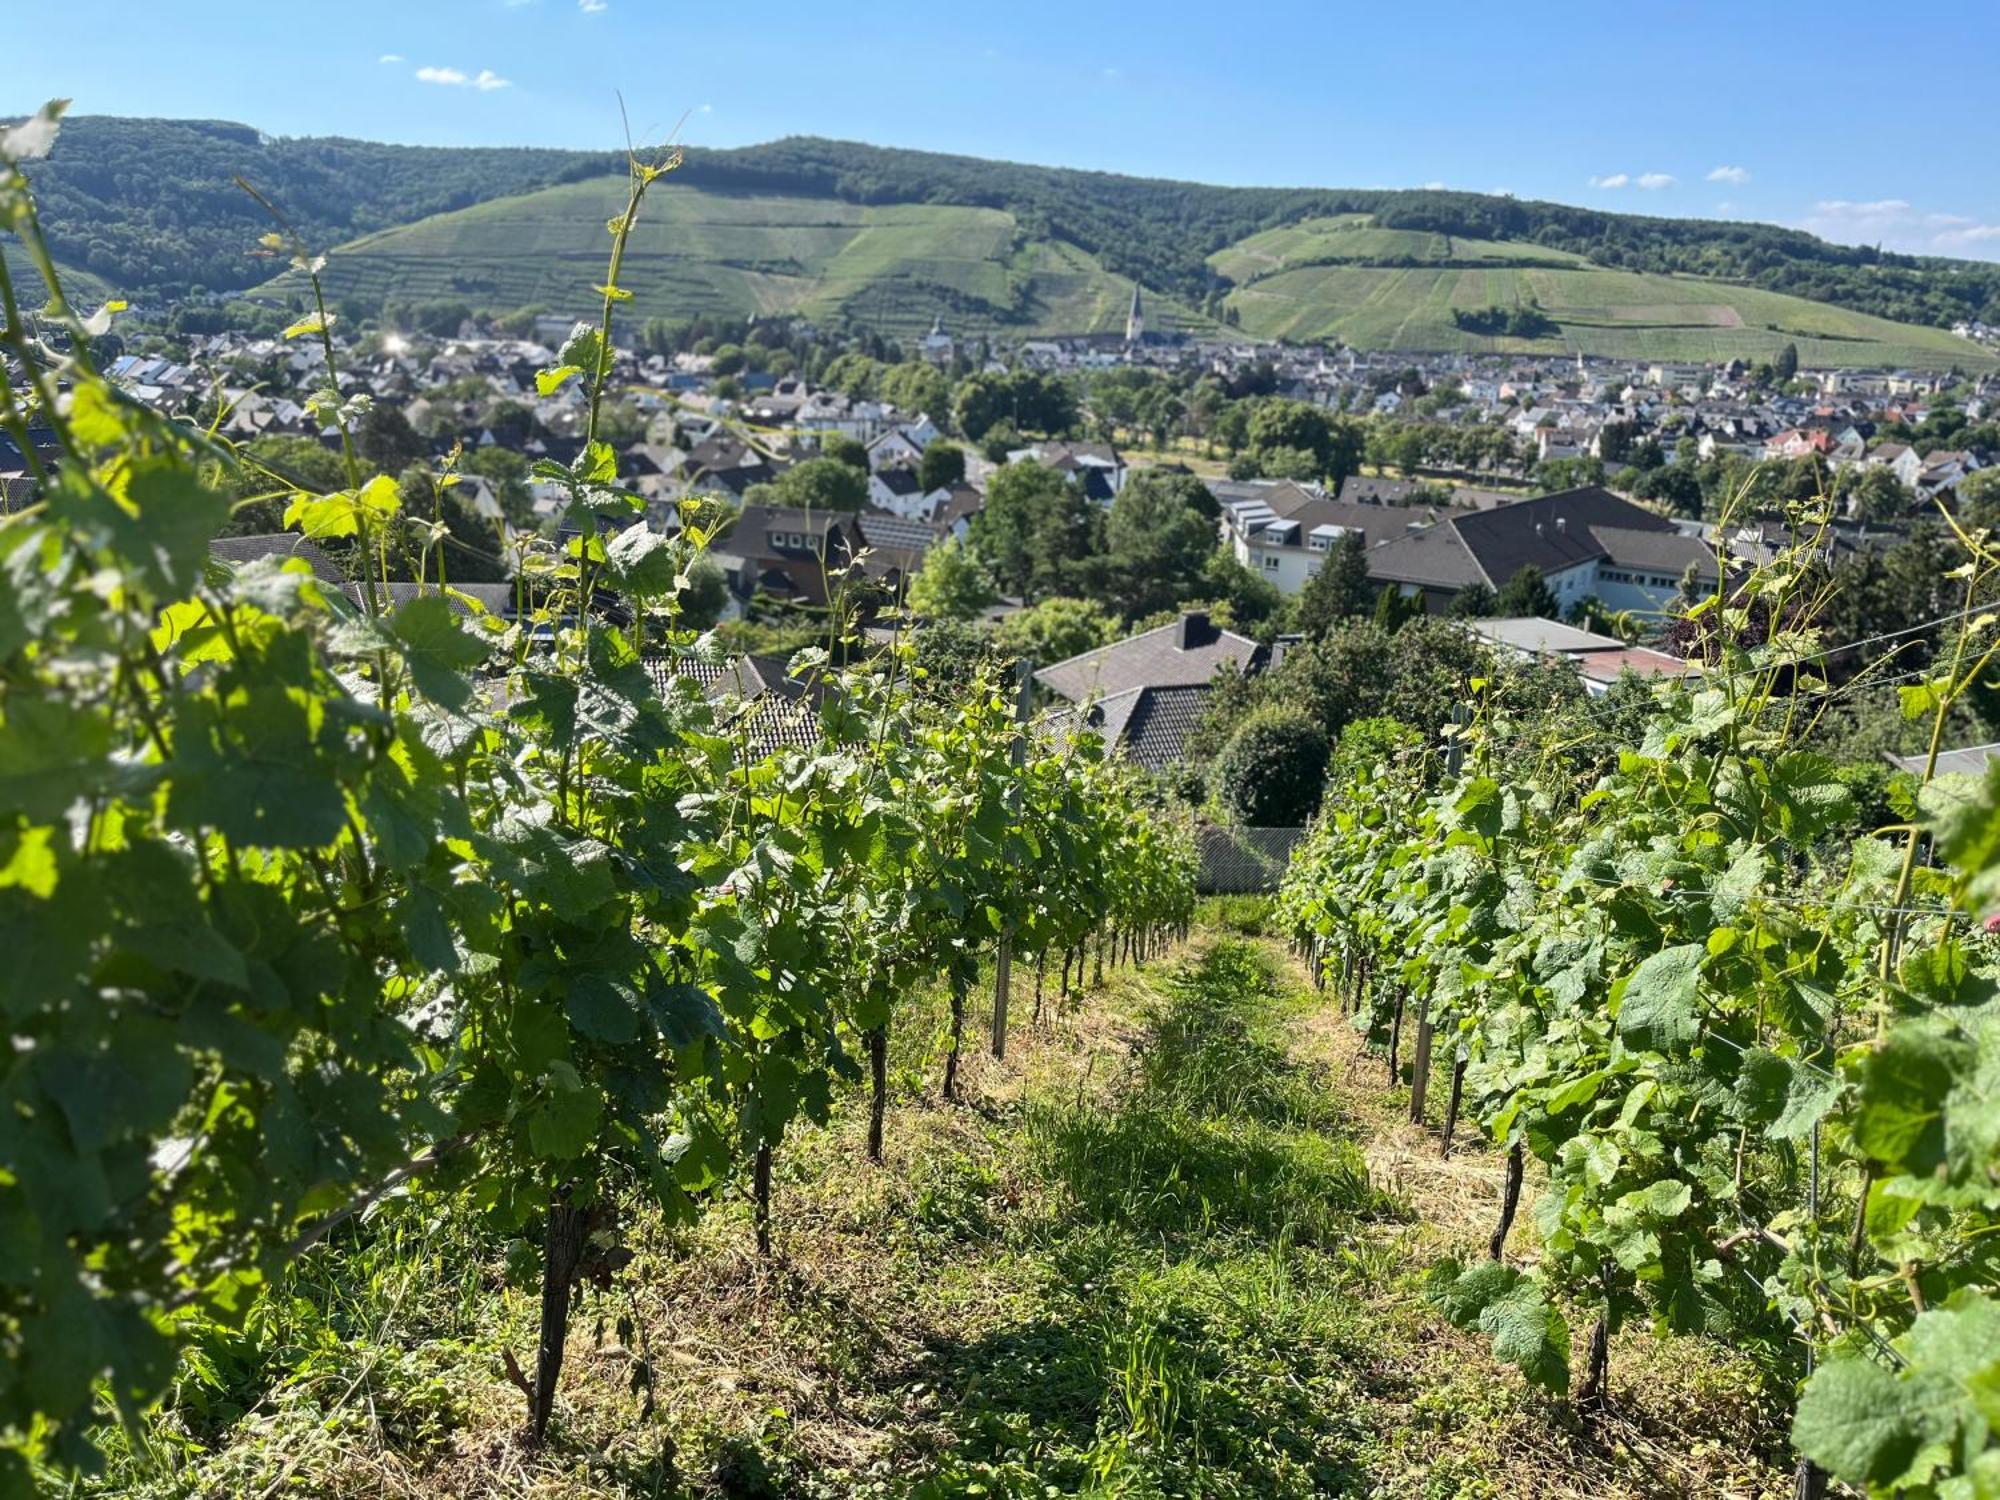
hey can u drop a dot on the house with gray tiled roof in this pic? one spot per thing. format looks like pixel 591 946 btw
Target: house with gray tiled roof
pixel 754 695
pixel 1585 542
pixel 1146 692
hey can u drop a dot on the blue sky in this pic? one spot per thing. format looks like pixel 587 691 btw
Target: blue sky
pixel 1834 116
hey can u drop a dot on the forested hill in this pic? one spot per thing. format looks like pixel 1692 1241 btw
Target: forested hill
pixel 150 206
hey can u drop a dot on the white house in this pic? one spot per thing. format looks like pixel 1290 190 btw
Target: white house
pixel 898 491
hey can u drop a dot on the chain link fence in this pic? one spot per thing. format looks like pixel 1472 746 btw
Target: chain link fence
pixel 1236 860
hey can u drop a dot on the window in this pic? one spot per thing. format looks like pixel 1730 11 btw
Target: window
pixel 1270 563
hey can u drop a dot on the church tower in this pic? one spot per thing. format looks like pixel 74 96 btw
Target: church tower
pixel 1135 320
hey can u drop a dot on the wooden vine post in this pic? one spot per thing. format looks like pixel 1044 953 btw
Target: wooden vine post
pixel 1003 961
pixel 1420 1064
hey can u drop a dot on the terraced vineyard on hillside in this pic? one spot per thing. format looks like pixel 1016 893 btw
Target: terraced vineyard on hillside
pixel 890 268
pixel 1397 289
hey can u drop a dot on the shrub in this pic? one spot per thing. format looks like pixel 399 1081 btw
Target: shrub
pixel 1272 771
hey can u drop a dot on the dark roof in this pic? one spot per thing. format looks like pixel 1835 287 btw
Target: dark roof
pixel 1150 724
pixel 760 697
pixel 1656 551
pixel 965 501
pixel 1309 511
pixel 1434 555
pixel 1360 489
pixel 495 598
pixel 1187 652
pixel 237 550
pixel 750 533
pixel 1549 532
pixel 1066 455
pixel 887 532
pixel 898 480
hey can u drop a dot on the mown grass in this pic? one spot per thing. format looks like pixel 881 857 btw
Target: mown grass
pixel 1151 1255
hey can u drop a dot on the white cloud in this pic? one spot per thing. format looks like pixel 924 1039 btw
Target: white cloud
pixel 1651 182
pixel 593 7
pixel 1734 176
pixel 1433 187
pixel 391 57
pixel 706 109
pixel 1898 224
pixel 485 80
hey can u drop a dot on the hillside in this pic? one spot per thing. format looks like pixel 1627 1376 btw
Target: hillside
pixel 888 238
pixel 1351 279
pixel 889 268
pixel 152 207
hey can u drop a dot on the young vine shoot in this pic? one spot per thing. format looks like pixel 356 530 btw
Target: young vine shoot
pixel 311 898
pixel 1756 1067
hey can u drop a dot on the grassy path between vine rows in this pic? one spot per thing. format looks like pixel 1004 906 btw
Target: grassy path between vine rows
pixel 1172 1246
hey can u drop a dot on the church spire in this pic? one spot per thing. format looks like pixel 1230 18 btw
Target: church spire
pixel 1135 320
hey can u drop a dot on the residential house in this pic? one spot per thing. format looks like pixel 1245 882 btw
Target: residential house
pixel 1096 466
pixel 786 553
pixel 1145 693
pixel 1600 660
pixel 899 491
pixel 1282 530
pixel 1585 542
pixel 757 696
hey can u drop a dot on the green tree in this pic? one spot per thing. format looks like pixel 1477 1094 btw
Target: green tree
pixel 387 441
pixel 1272 772
pixel 1874 494
pixel 1339 590
pixel 1979 498
pixel 1569 473
pixel 941 466
pixel 1431 666
pixel 915 388
pixel 855 374
pixel 1035 529
pixel 706 595
pixel 822 484
pixel 1335 444
pixel 1786 364
pixel 1677 485
pixel 1342 676
pixel 1243 599
pixel 1158 538
pixel 1056 629
pixel 1476 601
pixel 1527 593
pixel 952 584
pixel 1615 441
pixel 843 449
